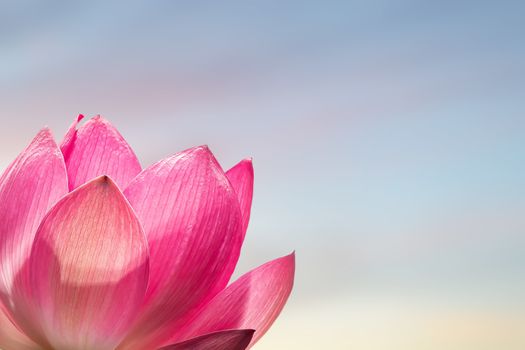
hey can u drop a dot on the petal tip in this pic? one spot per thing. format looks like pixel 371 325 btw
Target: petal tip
pixel 289 260
pixel 99 120
pixel 203 149
pixel 103 181
pixel 245 166
pixel 246 163
pixel 45 132
pixel 203 152
pixel 44 137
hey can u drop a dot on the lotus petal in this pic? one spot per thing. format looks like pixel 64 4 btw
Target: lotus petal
pixel 11 338
pixel 253 301
pixel 28 188
pixel 88 271
pixel 192 219
pixel 237 339
pixel 95 149
pixel 241 178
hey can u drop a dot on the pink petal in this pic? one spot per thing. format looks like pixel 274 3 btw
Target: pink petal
pixel 11 338
pixel 30 185
pixel 241 178
pixel 253 301
pixel 192 219
pixel 88 271
pixel 95 149
pixel 237 339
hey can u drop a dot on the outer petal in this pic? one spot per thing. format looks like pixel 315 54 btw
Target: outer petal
pixel 95 149
pixel 11 338
pixel 241 178
pixel 30 185
pixel 88 271
pixel 192 220
pixel 253 301
pixel 237 339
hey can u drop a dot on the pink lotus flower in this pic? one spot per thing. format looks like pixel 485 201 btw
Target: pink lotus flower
pixel 96 253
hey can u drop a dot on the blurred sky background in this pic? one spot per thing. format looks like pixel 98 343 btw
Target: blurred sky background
pixel 388 140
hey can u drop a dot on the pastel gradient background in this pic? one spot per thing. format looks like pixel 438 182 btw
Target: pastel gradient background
pixel 388 140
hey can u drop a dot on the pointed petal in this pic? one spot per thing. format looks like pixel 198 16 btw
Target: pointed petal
pixel 192 219
pixel 241 178
pixel 237 339
pixel 88 271
pixel 253 301
pixel 11 338
pixel 28 188
pixel 95 149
